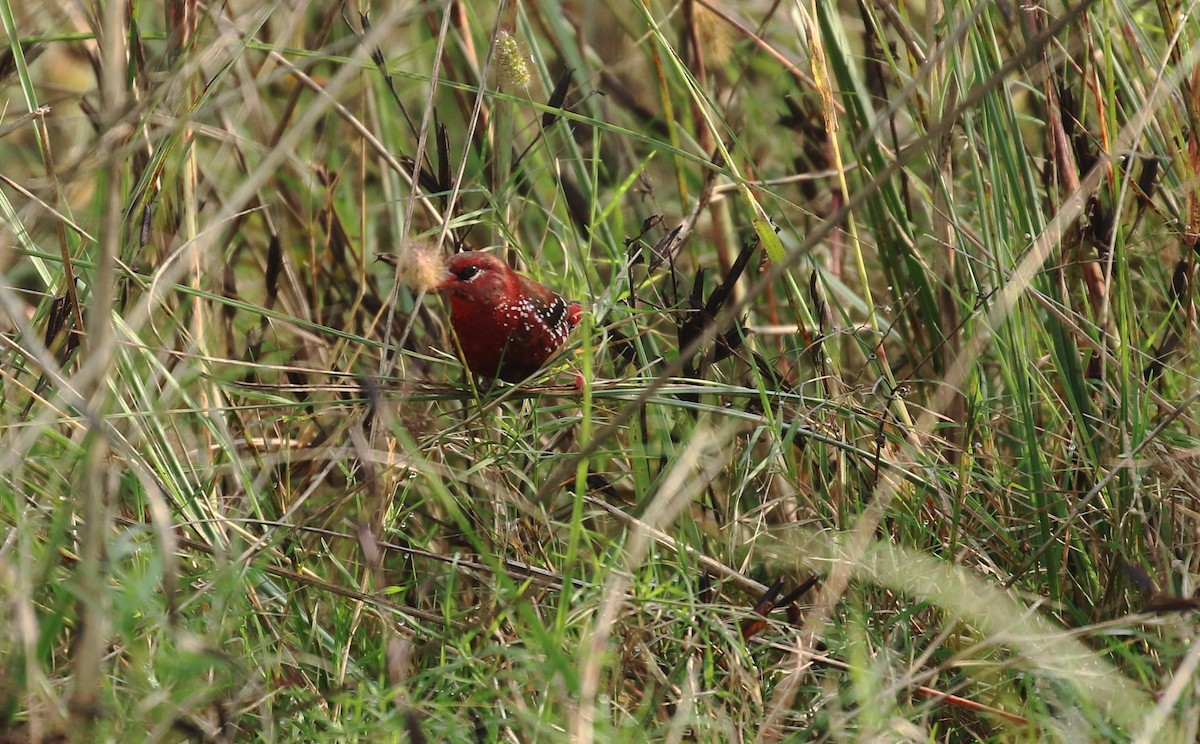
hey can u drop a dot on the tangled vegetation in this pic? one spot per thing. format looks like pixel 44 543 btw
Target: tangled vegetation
pixel 879 424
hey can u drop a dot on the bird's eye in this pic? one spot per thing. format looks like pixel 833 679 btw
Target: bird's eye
pixel 467 273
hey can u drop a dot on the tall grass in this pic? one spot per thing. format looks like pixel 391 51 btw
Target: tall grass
pixel 887 426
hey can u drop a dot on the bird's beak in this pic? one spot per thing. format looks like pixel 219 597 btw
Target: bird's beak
pixel 447 282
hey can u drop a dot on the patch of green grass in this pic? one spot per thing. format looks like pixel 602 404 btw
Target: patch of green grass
pixel 886 427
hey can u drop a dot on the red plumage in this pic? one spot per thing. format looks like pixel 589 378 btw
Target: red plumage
pixel 507 324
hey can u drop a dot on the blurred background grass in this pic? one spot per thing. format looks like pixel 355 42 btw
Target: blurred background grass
pixel 887 432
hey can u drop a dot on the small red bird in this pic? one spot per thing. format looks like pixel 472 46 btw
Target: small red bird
pixel 507 324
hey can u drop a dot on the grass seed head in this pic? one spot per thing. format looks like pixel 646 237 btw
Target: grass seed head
pixel 421 266
pixel 511 57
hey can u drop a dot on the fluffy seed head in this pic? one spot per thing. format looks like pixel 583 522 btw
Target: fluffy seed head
pixel 421 266
pixel 512 59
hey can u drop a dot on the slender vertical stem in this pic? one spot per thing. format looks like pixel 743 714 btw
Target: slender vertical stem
pixel 89 651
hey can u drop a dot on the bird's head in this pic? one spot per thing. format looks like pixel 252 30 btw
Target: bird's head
pixel 475 275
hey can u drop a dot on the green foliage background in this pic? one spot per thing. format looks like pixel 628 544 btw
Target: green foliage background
pixel 886 428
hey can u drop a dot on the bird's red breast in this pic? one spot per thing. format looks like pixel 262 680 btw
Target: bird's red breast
pixel 507 324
